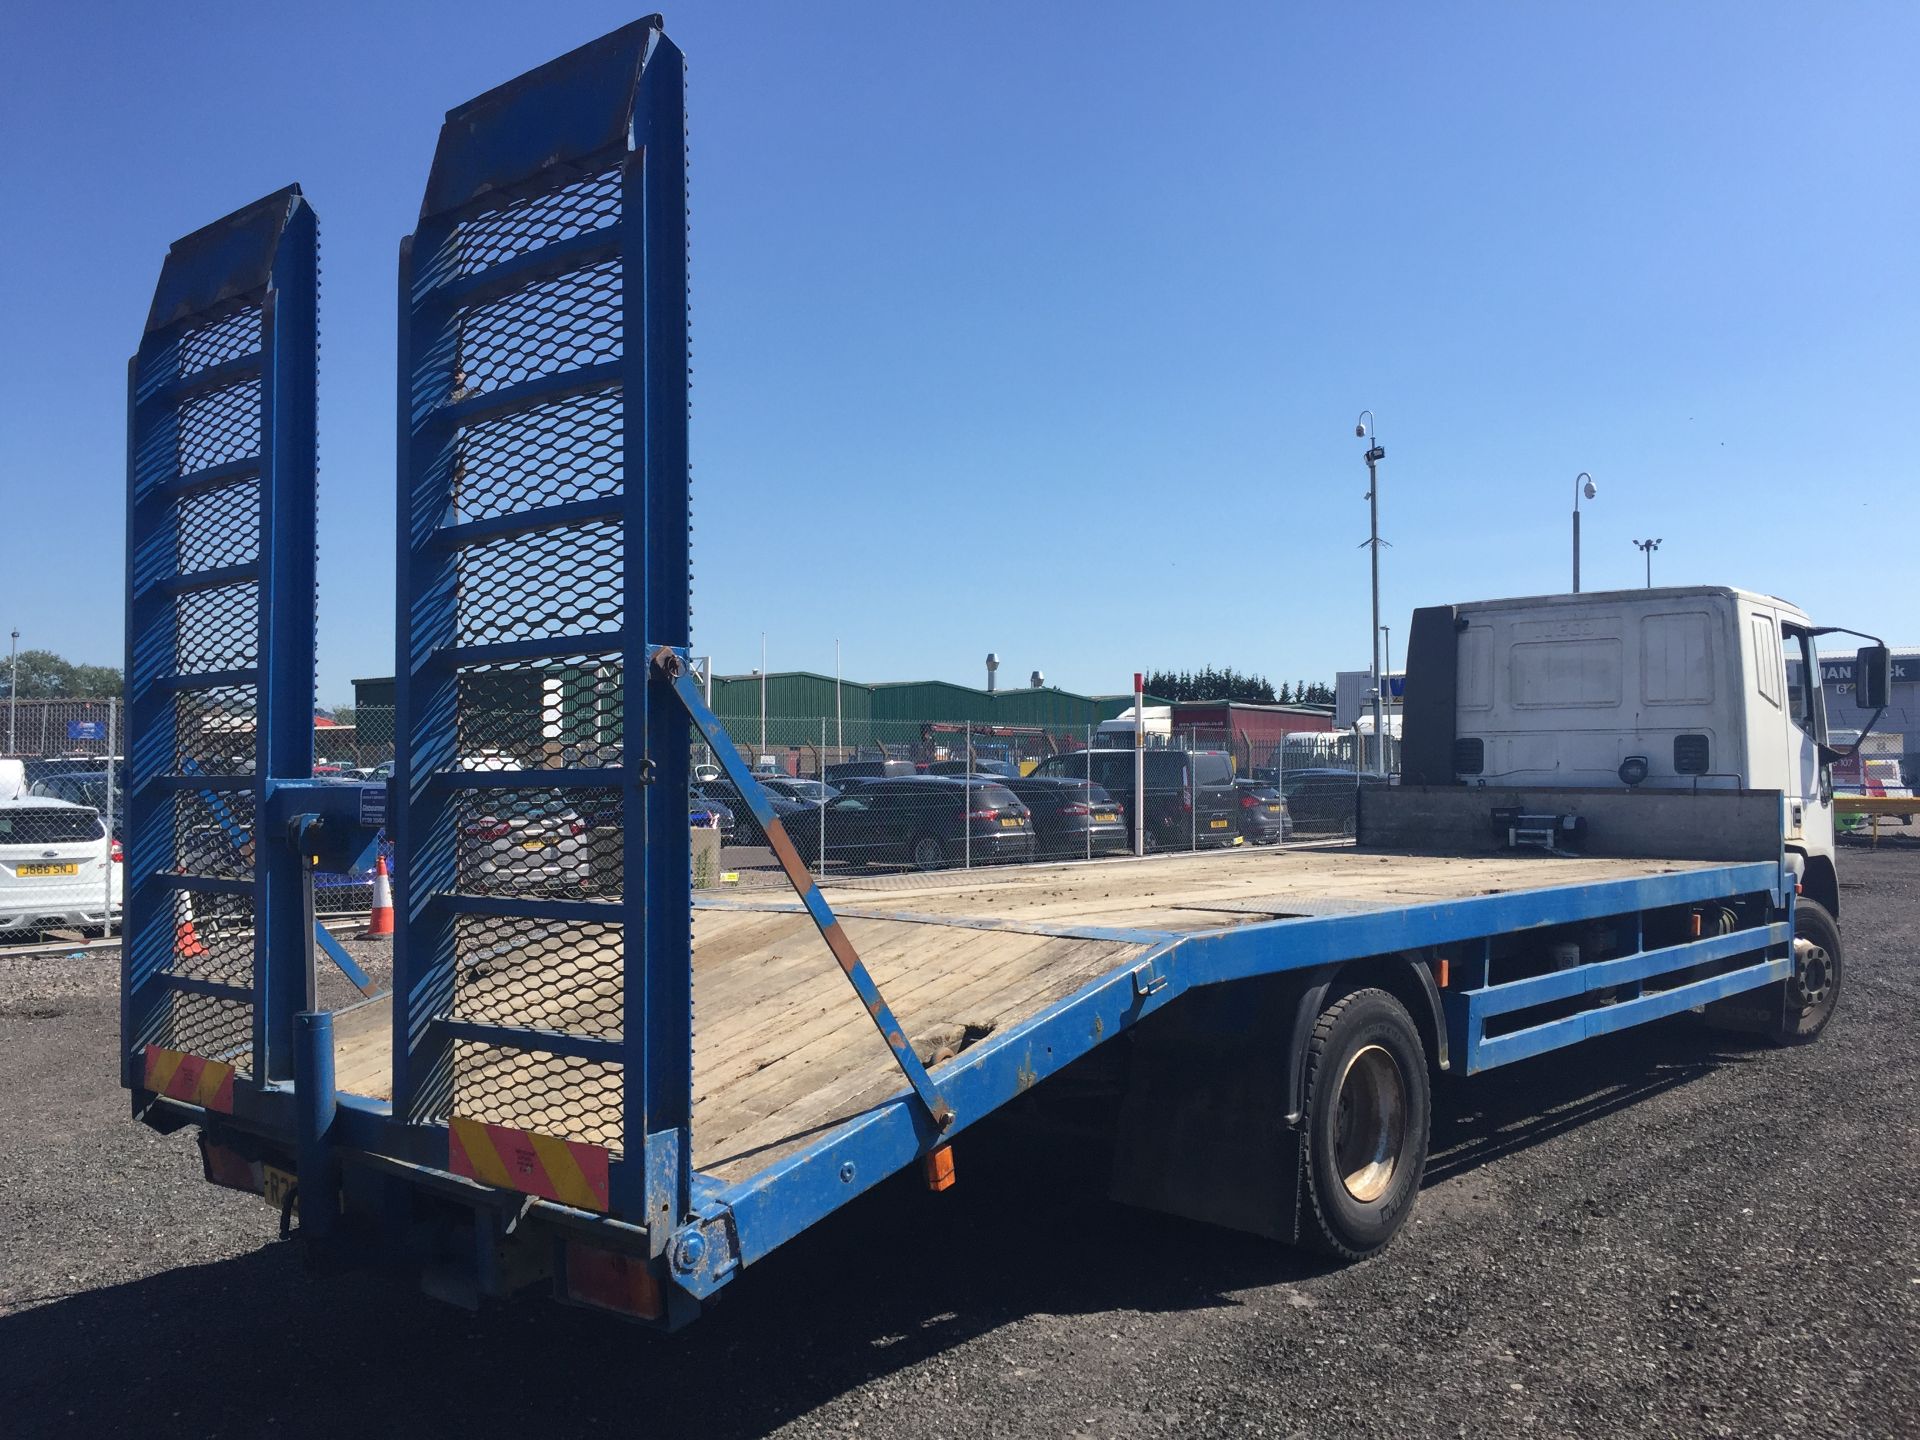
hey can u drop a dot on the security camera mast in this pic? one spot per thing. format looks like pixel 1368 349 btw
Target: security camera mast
pixel 1612 809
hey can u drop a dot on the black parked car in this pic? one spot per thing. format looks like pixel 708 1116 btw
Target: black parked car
pixel 999 769
pixel 1071 817
pixel 927 821
pixel 742 826
pixel 1190 795
pixel 794 787
pixel 846 770
pixel 1325 802
pixel 1263 814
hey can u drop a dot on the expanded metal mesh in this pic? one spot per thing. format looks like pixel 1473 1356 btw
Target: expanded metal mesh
pixel 218 527
pixel 536 714
pixel 215 629
pixel 564 451
pixel 213 731
pixel 589 203
pixel 549 843
pixel 565 323
pixel 220 427
pixel 213 939
pixel 221 340
pixel 542 586
pixel 213 833
pixel 212 1027
pixel 532 1090
pixel 545 974
pixel 539 841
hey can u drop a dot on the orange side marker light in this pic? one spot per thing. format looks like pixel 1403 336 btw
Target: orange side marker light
pixel 1441 967
pixel 937 1167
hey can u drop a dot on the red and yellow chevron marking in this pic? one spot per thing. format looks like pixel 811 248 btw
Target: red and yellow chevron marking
pixel 570 1171
pixel 198 1081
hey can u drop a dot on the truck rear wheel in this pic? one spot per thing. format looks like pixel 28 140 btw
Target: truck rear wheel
pixel 1368 1108
pixel 1813 990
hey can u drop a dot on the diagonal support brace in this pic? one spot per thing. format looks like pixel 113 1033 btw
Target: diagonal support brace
pixel 672 667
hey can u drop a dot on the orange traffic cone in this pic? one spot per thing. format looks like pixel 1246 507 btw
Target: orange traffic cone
pixel 186 944
pixel 380 922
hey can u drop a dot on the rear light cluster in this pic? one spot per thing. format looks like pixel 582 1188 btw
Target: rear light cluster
pixel 488 830
pixel 113 851
pixel 1076 809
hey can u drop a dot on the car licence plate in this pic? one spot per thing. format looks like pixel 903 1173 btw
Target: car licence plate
pixel 1273 809
pixel 1106 817
pixel 35 872
pixel 275 1186
pixel 1218 824
pixel 1010 824
pixel 533 844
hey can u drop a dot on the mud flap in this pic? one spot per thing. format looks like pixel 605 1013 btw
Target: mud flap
pixel 1203 1130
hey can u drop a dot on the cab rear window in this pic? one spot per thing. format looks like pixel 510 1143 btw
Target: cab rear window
pixel 48 825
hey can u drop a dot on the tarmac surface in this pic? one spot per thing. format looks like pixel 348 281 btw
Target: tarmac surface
pixel 1670 1232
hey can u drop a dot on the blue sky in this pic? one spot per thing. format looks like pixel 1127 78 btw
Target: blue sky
pixel 1044 330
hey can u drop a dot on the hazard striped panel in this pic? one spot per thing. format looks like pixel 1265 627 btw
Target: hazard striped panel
pixel 191 1078
pixel 569 1171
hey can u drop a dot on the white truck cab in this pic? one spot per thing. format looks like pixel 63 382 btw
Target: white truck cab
pixel 1684 688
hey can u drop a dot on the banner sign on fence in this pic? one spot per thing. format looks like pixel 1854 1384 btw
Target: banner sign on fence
pixel 86 729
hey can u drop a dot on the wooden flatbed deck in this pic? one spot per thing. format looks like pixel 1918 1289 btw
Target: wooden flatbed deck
pixel 784 1051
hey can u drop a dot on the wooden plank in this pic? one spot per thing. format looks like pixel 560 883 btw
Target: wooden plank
pixel 781 1046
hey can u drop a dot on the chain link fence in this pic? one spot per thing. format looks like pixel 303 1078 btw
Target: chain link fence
pixel 74 750
pixel 69 751
pixel 867 800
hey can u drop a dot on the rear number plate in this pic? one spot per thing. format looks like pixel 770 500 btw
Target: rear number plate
pixel 1218 824
pixel 1009 824
pixel 533 844
pixel 1106 816
pixel 36 871
pixel 275 1186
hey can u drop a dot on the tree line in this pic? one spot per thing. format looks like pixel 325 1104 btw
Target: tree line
pixel 1230 684
pixel 47 676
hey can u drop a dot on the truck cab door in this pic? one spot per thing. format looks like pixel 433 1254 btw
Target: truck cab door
pixel 1809 794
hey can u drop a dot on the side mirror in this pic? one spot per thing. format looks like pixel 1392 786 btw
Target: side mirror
pixel 1872 677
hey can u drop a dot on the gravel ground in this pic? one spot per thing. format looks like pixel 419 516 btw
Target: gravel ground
pixel 1669 1232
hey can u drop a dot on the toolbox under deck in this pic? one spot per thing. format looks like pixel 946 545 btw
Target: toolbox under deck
pixel 783 1050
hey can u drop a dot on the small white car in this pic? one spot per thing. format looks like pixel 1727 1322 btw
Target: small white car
pixel 56 862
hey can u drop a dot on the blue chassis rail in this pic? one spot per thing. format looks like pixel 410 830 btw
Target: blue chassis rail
pixel 735 1224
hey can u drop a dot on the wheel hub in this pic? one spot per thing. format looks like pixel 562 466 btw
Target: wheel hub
pixel 1370 1123
pixel 1812 974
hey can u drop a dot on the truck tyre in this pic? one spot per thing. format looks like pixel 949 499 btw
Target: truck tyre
pixel 1813 990
pixel 1367 1109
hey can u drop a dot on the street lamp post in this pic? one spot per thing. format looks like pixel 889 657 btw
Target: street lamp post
pixel 1578 491
pixel 1386 682
pixel 1647 547
pixel 1364 429
pixel 13 688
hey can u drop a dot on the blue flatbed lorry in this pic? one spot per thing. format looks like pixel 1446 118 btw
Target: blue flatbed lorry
pixel 590 1077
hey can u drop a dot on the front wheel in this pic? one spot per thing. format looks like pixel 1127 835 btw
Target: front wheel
pixel 1368 1108
pixel 1813 990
